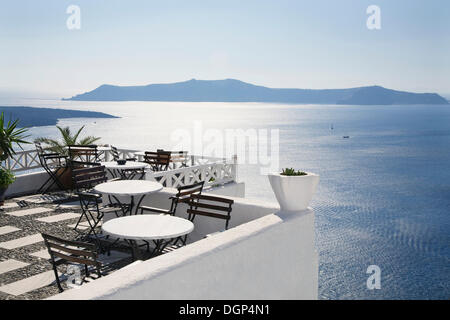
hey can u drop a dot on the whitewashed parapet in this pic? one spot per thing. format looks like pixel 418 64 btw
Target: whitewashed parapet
pixel 212 170
pixel 212 174
pixel 22 160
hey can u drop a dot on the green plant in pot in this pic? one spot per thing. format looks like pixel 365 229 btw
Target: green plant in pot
pixel 10 135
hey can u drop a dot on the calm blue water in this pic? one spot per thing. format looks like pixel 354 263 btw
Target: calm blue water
pixel 384 195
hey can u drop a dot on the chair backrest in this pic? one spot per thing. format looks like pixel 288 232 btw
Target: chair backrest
pixel 158 161
pixel 71 251
pixel 41 153
pixel 210 206
pixel 115 153
pixel 75 164
pixel 184 192
pixel 88 177
pixel 48 159
pixel 179 158
pixel 88 153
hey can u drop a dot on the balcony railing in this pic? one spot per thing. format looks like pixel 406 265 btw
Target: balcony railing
pixel 212 170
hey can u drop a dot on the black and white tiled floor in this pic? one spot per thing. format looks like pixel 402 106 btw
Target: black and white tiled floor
pixel 25 272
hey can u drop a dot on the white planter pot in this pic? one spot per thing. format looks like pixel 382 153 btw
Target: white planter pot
pixel 294 193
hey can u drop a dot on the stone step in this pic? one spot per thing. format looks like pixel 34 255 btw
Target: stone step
pixel 59 217
pixel 27 212
pixel 11 264
pixel 29 284
pixel 21 242
pixel 8 229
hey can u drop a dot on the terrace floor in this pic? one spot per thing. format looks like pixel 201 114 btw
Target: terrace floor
pixel 25 270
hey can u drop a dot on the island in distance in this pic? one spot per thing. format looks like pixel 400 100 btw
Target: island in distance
pixel 231 90
pixel 34 117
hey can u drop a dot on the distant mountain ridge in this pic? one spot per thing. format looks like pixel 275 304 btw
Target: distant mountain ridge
pixel 231 90
pixel 34 117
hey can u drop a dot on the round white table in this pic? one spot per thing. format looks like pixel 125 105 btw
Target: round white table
pixel 130 188
pixel 161 229
pixel 121 169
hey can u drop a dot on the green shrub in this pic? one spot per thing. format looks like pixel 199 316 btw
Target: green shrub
pixel 292 172
pixel 6 178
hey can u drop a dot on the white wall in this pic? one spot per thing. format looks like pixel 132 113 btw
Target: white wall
pixel 31 182
pixel 26 184
pixel 272 257
pixel 232 189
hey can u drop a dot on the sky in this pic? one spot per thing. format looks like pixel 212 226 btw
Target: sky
pixel 290 44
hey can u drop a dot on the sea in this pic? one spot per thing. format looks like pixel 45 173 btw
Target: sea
pixel 384 193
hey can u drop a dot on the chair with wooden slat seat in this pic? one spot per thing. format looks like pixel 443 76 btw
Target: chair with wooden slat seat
pixel 177 158
pixel 64 251
pixel 182 196
pixel 87 153
pixel 158 161
pixel 209 206
pixel 84 179
pixel 55 165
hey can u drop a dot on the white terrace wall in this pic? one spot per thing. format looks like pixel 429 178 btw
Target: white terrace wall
pixel 29 183
pixel 272 257
pixel 26 184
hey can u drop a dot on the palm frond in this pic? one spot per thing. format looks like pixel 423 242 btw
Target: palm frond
pixel 75 137
pixel 88 140
pixel 67 139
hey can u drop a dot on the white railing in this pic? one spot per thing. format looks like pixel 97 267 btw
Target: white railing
pixel 22 161
pixel 214 171
pixel 212 174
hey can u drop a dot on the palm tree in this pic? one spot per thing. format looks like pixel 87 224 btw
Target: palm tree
pixel 67 139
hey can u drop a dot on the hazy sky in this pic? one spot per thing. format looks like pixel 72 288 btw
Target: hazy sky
pixel 297 44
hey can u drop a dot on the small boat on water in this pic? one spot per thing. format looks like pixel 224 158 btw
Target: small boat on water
pixel 345 137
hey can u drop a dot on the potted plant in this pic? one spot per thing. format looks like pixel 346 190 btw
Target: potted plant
pixel 9 135
pixel 293 189
pixel 60 146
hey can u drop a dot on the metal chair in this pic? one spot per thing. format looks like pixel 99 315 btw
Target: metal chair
pixel 182 196
pixel 55 165
pixel 210 206
pixel 116 156
pixel 158 161
pixel 64 251
pixel 177 158
pixel 84 179
pixel 88 153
